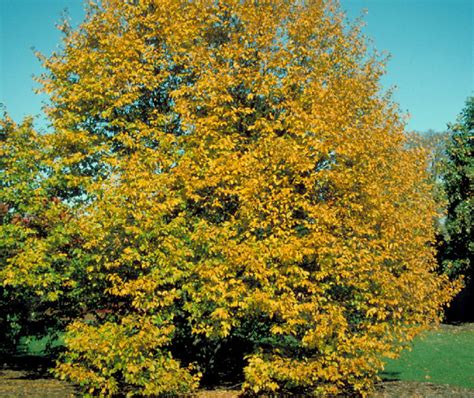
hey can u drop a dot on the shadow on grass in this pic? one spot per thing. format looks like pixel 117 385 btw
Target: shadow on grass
pixel 32 366
pixel 390 376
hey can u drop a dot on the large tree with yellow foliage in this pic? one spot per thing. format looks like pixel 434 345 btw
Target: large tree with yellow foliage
pixel 236 176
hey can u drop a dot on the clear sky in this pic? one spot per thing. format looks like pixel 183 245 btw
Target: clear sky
pixel 431 43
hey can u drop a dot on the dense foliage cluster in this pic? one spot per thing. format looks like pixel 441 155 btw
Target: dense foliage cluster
pixel 221 174
pixel 458 181
pixel 33 228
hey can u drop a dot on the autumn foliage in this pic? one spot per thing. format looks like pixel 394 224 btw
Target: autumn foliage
pixel 230 171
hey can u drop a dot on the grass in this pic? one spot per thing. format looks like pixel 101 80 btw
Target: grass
pixel 443 356
pixel 32 345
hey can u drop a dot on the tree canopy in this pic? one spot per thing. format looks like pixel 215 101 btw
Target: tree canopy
pixel 230 173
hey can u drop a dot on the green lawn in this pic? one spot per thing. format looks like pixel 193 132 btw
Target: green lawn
pixel 444 356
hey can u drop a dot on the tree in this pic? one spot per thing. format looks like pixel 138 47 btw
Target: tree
pixel 458 184
pixel 435 144
pixel 23 218
pixel 237 177
pixel 37 237
pixel 456 249
pixel 19 166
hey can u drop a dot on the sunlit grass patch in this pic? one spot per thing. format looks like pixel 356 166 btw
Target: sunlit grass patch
pixel 443 356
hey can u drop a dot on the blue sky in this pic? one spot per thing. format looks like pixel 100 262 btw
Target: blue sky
pixel 431 43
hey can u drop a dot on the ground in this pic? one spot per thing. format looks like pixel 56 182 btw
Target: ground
pixel 15 383
pixel 18 384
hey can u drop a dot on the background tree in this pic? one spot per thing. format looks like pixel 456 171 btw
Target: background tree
pixel 19 169
pixel 458 182
pixel 435 144
pixel 30 219
pixel 43 283
pixel 457 248
pixel 235 177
